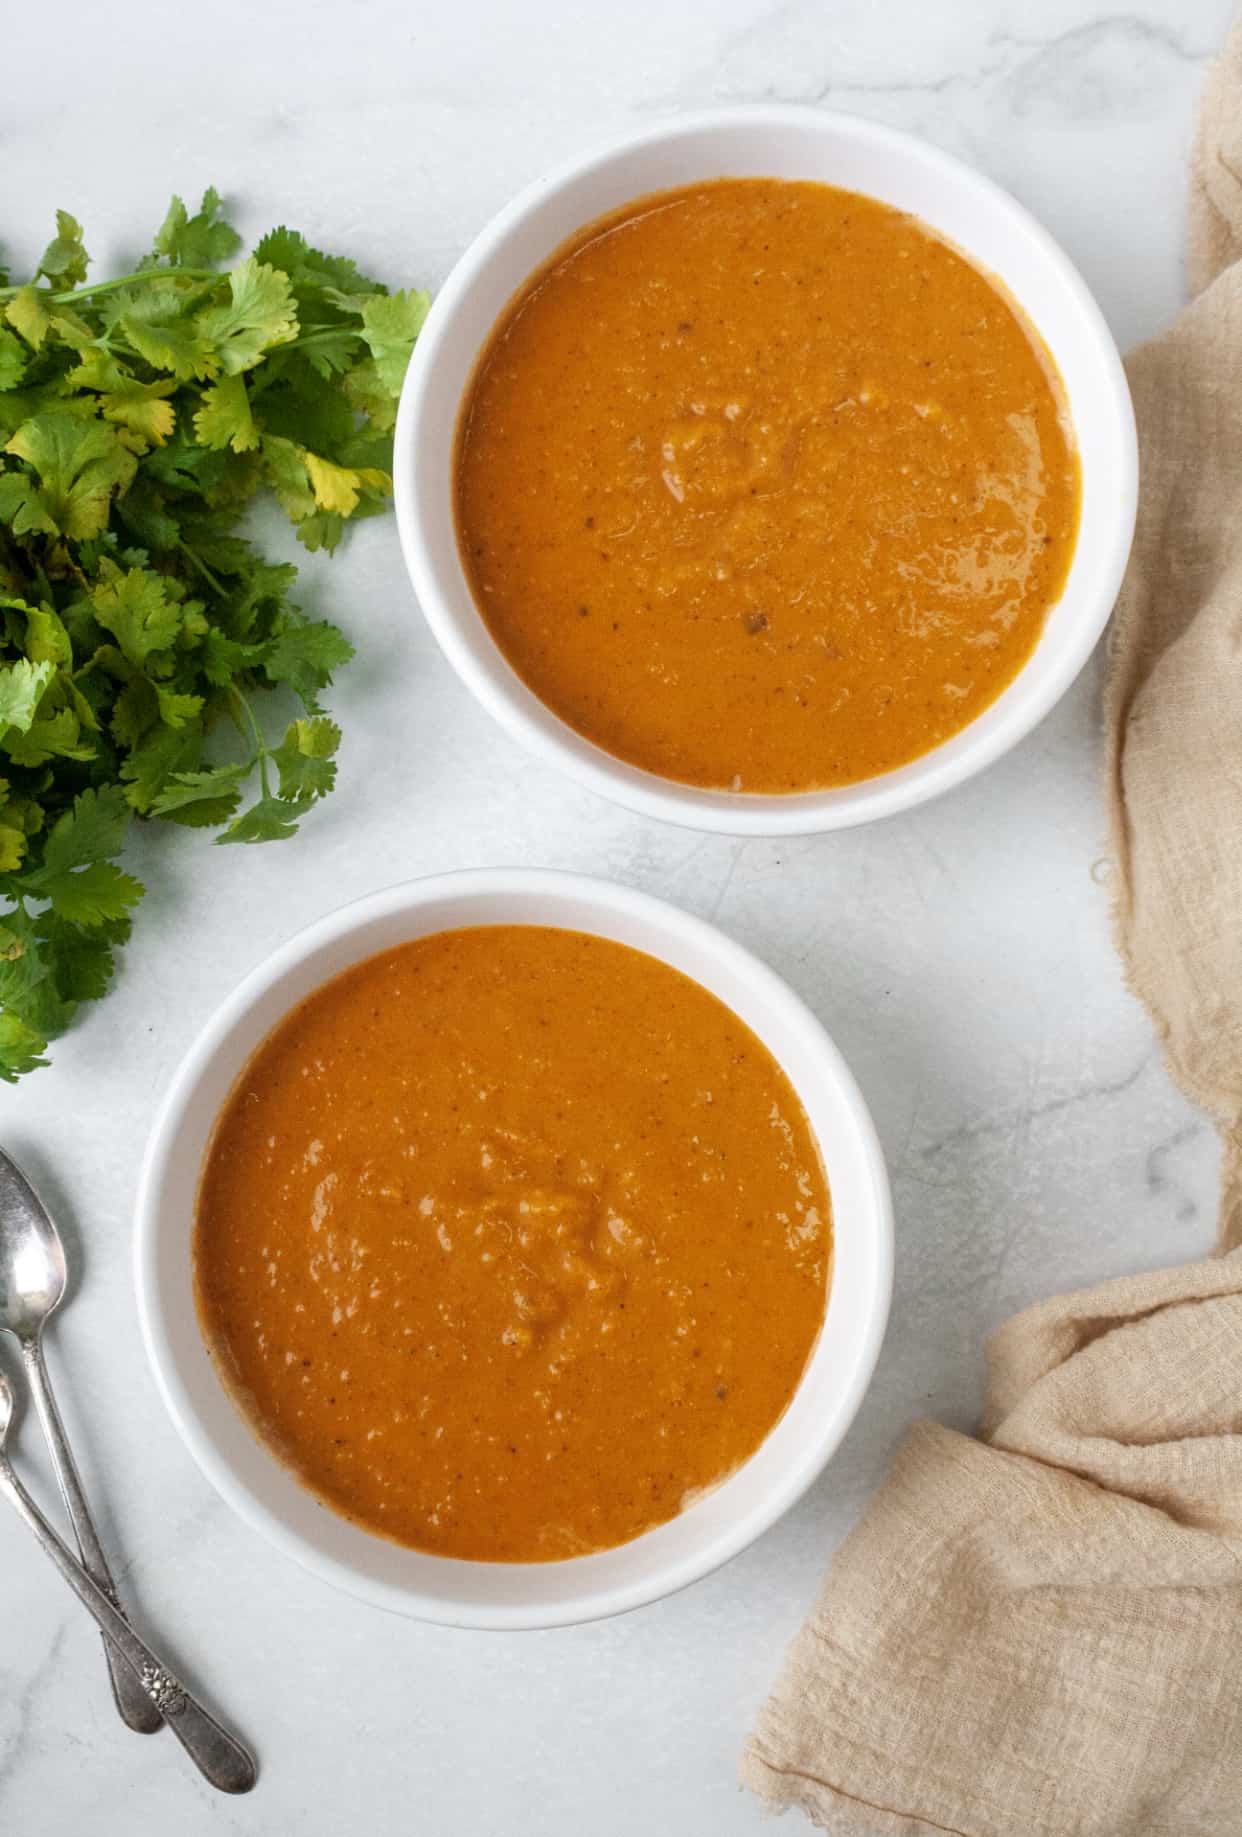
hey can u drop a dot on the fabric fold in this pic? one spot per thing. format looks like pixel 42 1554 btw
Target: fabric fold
pixel 1036 1632
pixel 1173 704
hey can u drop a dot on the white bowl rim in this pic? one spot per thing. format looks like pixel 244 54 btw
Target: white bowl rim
pixel 749 814
pixel 581 1606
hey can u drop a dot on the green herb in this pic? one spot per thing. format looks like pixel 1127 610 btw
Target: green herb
pixel 140 633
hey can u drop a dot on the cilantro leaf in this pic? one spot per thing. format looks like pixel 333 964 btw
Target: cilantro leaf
pixel 79 465
pixel 93 830
pixel 225 418
pixel 335 488
pixel 262 602
pixel 13 360
pixel 69 327
pixel 285 465
pixel 21 1049
pixel 330 350
pixel 153 760
pixel 77 876
pixel 322 530
pixel 21 690
pixel 22 506
pixel 172 344
pixel 54 735
pixel 201 241
pixel 296 406
pixel 143 410
pixel 305 760
pixel 47 641
pixel 135 710
pixel 28 989
pixel 223 658
pixel 310 270
pixel 157 321
pixel 145 513
pixel 260 313
pixel 136 608
pixel 88 895
pixel 176 710
pixel 203 798
pixel 27 312
pixel 83 957
pixel 390 325
pixel 271 819
pixel 304 655
pixel 366 392
pixel 64 262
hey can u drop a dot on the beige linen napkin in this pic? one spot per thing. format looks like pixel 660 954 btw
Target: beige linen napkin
pixel 1039 1633
pixel 1174 699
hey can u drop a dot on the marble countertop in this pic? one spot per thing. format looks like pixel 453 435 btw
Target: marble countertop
pixel 960 955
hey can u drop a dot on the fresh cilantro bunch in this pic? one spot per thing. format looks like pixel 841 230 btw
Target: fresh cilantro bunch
pixel 138 628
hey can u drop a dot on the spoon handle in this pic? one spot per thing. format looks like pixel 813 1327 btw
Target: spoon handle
pixel 222 1760
pixel 132 1701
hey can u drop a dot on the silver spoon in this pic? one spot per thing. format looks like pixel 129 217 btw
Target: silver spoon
pixel 32 1282
pixel 222 1760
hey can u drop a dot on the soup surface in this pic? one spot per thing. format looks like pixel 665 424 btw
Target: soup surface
pixel 511 1239
pixel 761 485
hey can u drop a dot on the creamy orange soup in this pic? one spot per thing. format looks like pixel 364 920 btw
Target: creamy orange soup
pixel 510 1241
pixel 762 485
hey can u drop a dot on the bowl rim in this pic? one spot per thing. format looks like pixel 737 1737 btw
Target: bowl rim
pixel 159 1332
pixel 761 814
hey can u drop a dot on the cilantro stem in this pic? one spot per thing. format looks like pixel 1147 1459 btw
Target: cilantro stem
pixel 203 569
pixel 94 288
pixel 256 734
pixel 260 378
pixel 319 332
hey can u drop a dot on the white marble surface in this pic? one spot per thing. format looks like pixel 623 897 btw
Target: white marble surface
pixel 960 955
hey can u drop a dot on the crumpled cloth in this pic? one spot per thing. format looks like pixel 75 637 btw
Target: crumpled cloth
pixel 1174 695
pixel 1038 1632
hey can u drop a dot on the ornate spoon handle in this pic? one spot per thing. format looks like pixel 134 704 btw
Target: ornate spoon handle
pixel 221 1760
pixel 135 1706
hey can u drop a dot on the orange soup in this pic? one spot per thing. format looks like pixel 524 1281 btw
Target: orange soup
pixel 763 485
pixel 510 1241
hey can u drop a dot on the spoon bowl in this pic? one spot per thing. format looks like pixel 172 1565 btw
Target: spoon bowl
pixel 33 1271
pixel 6 1408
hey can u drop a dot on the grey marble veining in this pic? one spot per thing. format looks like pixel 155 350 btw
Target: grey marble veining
pixel 960 955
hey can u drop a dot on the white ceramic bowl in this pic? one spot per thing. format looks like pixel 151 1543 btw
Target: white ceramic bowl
pixel 779 142
pixel 515 1594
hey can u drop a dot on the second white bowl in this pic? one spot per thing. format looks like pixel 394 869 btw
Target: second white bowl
pixel 718 1525
pixel 775 142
